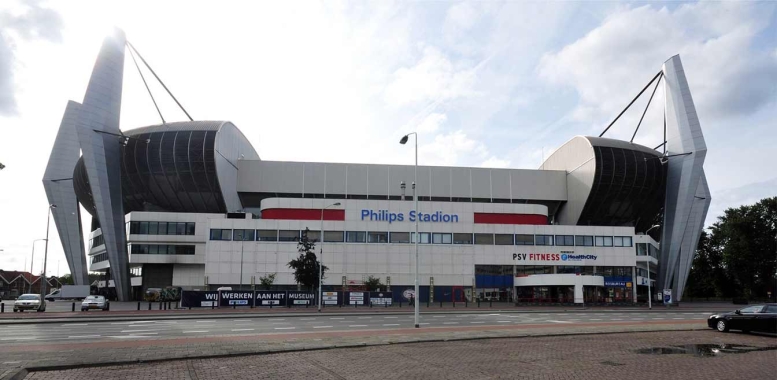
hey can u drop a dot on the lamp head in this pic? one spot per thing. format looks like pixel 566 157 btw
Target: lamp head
pixel 53 206
pixel 336 204
pixel 403 140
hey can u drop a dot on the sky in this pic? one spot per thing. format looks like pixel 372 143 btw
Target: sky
pixel 491 84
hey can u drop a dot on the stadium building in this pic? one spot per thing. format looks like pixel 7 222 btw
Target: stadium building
pixel 191 204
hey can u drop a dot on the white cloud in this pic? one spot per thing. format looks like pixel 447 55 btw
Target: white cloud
pixel 450 149
pixel 494 162
pixel 431 123
pixel 433 78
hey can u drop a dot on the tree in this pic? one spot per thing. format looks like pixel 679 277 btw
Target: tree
pixel 373 284
pixel 738 256
pixel 306 265
pixel 267 281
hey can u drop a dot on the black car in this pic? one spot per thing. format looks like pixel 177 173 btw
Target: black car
pixel 761 318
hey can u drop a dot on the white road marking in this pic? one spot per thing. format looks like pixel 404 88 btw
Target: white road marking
pixel 616 319
pixel 16 362
pixel 637 319
pixel 321 327
pixel 74 324
pixel 364 318
pixel 390 317
pixel 307 319
pixel 277 319
pixel 656 318
pixel 82 336
pixel 678 318
pixel 243 329
pixel 285 328
pixel 550 320
pixel 357 325
pixel 126 336
pixel 450 323
pixel 595 319
pixel 195 331
pixel 145 333
pixel 503 321
pixel 438 316
pixel 280 323
pixel 477 322
pixel 23 338
pixel 337 318
pixel 391 324
pixel 135 331
pixel 205 321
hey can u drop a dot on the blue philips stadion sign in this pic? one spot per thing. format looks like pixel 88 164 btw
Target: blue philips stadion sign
pixel 386 216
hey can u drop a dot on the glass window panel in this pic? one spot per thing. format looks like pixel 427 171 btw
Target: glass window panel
pixel 617 241
pixel 143 230
pixel 426 237
pixel 377 237
pixel 267 235
pixel 608 241
pixel 440 238
pixel 459 238
pixel 333 236
pixel 627 241
pixel 175 250
pixel 190 228
pixel 543 239
pixel 171 227
pixel 153 249
pixel 313 235
pixel 436 238
pixel 600 241
pixel 399 237
pixel 153 227
pixel 215 234
pixel 484 239
pixel 226 234
pixel 503 239
pixel 180 228
pixel 134 227
pixel 288 235
pixel 565 240
pixel 356 236
pixel 524 239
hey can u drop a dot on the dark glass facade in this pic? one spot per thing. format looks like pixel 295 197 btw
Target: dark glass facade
pixel 164 169
pixel 628 189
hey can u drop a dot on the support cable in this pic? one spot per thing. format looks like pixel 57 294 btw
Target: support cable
pixel 664 144
pixel 146 84
pixel 627 107
pixel 160 80
pixel 647 106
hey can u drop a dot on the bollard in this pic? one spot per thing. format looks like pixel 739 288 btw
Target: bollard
pixel 191 307
pixel 454 303
pixel 160 306
pixel 490 303
pixel 440 303
pixel 478 302
pixel 73 307
pixel 427 304
pixel 212 305
pixel 400 301
pixel 385 304
pixel 233 307
pixel 138 305
pixel 466 302
pixel 2 308
pixel 149 306
pixel 370 304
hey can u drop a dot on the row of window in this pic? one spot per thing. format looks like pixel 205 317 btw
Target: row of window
pixel 505 270
pixel 157 249
pixel 96 241
pixel 161 228
pixel 425 238
pixel 101 257
pixel 644 249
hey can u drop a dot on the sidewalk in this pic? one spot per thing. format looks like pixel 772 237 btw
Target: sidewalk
pixel 68 355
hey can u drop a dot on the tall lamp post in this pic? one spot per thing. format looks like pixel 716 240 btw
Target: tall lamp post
pixel 650 294
pixel 46 251
pixel 321 254
pixel 403 141
pixel 32 260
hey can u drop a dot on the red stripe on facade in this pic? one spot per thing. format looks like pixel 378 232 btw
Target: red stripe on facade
pixel 495 218
pixel 302 214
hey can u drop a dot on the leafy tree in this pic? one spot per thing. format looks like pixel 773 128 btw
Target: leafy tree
pixel 266 281
pixel 306 265
pixel 373 283
pixel 738 257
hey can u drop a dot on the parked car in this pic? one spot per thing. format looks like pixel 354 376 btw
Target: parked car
pixel 761 318
pixel 77 292
pixel 95 302
pixel 29 302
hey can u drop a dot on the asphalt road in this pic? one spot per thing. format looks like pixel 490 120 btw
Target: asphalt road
pixel 95 331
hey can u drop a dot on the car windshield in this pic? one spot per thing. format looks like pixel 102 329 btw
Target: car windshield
pixel 29 297
pixel 752 309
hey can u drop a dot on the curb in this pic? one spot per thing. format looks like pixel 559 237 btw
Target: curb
pixel 22 373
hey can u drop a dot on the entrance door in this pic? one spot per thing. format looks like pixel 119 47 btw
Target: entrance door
pixel 458 294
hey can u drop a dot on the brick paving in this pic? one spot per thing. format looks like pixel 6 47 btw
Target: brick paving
pixel 14 357
pixel 558 357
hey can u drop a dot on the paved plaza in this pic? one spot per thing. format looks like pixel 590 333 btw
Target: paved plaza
pixel 703 354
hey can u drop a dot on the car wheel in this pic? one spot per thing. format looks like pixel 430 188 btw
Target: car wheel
pixel 40 310
pixel 722 325
pixel 82 309
pixel 746 331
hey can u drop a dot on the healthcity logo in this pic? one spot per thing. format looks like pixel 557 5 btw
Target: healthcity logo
pixel 566 257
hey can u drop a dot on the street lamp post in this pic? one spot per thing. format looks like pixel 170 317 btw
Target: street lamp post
pixel 32 261
pixel 403 141
pixel 321 254
pixel 650 294
pixel 46 251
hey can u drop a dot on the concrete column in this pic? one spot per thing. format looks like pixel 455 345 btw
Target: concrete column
pixel 634 283
pixel 579 293
pixel 515 293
